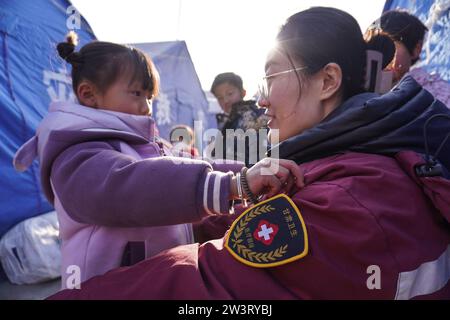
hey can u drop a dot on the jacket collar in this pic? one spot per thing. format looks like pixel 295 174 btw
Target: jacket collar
pixel 78 117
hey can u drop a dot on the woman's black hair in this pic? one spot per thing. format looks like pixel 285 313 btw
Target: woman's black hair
pixel 103 62
pixel 320 35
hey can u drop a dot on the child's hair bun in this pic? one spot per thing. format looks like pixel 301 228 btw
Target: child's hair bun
pixel 66 49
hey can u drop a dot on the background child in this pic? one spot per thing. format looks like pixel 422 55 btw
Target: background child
pixel 182 140
pixel 238 114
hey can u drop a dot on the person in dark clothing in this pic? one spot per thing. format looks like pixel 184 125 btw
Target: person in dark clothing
pixel 238 114
pixel 406 33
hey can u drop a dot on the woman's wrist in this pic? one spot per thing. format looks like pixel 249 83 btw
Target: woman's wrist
pixel 248 194
pixel 234 194
pixel 236 189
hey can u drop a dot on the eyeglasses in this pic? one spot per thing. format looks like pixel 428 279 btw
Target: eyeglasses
pixel 263 88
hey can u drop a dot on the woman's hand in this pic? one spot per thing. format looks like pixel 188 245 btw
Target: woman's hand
pixel 272 176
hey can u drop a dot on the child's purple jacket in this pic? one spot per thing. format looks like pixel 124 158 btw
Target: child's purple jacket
pixel 112 184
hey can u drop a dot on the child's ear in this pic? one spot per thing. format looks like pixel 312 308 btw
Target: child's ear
pixel 87 94
pixel 243 93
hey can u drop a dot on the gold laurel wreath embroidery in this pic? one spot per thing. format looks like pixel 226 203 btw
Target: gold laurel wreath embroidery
pixel 260 256
pixel 248 253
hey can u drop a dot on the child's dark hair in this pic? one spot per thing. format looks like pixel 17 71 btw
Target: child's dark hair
pixel 404 27
pixel 321 35
pixel 227 77
pixel 103 62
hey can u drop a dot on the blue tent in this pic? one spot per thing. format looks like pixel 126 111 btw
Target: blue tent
pixel 436 15
pixel 31 75
pixel 181 100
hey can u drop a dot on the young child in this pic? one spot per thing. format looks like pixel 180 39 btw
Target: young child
pixel 229 90
pixel 237 114
pixel 119 197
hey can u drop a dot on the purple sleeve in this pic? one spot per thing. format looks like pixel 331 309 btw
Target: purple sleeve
pixel 98 185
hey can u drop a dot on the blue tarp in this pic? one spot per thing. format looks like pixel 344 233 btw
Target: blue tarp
pixel 439 40
pixel 31 75
pixel 181 100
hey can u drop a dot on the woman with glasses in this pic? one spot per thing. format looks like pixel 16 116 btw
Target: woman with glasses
pixel 374 210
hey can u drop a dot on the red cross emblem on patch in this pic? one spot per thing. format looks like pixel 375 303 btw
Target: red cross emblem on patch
pixel 256 242
pixel 265 232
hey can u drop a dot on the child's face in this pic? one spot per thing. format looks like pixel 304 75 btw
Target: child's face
pixel 126 98
pixel 227 95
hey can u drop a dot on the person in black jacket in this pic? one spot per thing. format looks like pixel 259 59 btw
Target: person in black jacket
pixel 248 145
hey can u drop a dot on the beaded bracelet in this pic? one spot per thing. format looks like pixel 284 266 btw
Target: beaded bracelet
pixel 245 186
pixel 239 190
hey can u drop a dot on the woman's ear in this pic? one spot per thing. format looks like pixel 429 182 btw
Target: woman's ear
pixel 87 94
pixel 331 81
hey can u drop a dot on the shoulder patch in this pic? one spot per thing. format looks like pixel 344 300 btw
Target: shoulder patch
pixel 270 234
